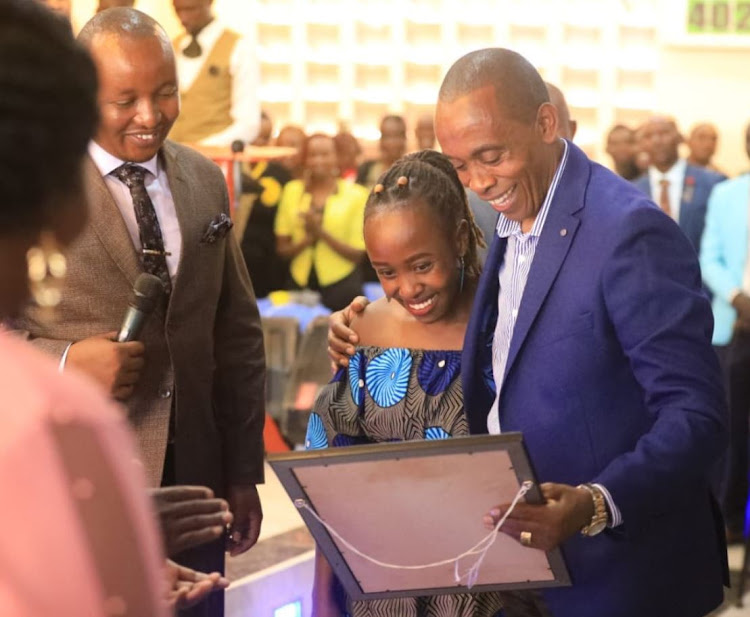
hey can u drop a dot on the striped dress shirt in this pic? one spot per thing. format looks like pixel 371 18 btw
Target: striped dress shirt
pixel 513 273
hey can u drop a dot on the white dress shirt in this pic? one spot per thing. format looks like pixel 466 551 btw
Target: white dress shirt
pixel 676 178
pixel 157 187
pixel 243 67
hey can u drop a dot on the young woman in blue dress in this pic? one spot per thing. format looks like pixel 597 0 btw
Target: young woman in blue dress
pixel 403 383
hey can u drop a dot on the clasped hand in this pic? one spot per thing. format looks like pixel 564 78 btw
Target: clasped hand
pixel 313 221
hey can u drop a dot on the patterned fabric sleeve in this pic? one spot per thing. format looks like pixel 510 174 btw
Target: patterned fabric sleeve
pixel 334 420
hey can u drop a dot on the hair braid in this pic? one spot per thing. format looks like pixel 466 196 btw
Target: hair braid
pixel 431 179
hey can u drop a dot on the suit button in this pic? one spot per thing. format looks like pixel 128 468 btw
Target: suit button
pixel 165 393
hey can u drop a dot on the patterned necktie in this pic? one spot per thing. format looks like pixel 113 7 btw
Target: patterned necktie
pixel 193 49
pixel 664 197
pixel 153 256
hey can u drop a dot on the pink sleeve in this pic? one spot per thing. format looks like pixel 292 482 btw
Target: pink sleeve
pixel 78 533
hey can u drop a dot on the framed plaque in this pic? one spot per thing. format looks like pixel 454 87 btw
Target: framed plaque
pixel 414 503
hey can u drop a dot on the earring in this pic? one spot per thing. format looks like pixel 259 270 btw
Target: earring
pixel 46 269
pixel 462 269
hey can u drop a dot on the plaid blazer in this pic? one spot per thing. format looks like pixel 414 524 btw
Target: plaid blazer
pixel 204 348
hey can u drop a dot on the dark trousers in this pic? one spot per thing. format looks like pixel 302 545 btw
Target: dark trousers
pixel 738 383
pixel 206 558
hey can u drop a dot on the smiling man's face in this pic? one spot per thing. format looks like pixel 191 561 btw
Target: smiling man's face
pixel 497 156
pixel 138 96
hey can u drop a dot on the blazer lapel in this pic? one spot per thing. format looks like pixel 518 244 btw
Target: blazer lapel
pixel 557 236
pixel 185 208
pixel 107 222
pixel 687 196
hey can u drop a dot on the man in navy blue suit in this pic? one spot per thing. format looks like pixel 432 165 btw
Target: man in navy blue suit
pixel 677 187
pixel 591 335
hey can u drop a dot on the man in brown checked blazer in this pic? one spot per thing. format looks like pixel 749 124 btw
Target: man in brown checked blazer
pixel 200 356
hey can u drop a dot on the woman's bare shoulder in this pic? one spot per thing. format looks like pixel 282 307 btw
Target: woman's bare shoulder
pixel 373 324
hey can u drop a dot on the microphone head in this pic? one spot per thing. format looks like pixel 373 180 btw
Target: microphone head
pixel 146 292
pixel 238 146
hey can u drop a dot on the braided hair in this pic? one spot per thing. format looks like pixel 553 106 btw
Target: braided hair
pixel 431 179
pixel 48 112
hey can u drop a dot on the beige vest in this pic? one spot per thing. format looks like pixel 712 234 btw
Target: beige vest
pixel 206 106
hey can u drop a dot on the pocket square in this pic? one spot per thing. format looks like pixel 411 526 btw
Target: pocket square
pixel 217 228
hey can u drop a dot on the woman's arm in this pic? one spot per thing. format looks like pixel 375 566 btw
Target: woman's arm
pixel 343 249
pixel 286 249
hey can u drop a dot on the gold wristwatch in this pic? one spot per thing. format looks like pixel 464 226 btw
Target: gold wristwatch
pixel 601 516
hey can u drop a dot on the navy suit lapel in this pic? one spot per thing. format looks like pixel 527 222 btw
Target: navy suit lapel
pixel 489 287
pixel 476 363
pixel 687 197
pixel 557 236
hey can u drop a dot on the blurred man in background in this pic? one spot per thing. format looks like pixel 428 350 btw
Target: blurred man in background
pixel 621 146
pixel 678 188
pixel 218 77
pixel 702 143
pixel 424 132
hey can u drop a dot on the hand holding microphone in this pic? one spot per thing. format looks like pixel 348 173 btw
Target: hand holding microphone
pixel 115 359
pixel 146 293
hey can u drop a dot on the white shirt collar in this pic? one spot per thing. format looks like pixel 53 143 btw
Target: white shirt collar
pixel 106 163
pixel 208 33
pixel 675 174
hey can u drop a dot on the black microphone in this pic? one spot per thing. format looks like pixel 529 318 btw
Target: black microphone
pixel 146 292
pixel 238 146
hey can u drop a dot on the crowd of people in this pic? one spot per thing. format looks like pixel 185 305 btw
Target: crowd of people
pixel 606 316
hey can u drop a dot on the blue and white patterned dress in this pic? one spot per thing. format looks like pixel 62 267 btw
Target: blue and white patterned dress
pixel 394 394
pixel 390 394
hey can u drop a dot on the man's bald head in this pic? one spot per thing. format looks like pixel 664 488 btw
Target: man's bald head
pixel 702 142
pixel 566 128
pixel 519 89
pixel 123 22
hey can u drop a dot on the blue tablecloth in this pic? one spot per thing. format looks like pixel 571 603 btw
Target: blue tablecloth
pixel 302 313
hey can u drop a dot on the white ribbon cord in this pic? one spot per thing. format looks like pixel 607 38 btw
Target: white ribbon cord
pixel 480 548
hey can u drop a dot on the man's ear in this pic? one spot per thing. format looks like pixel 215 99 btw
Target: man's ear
pixel 547 121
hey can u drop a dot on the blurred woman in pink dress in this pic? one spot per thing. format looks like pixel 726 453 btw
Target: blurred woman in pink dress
pixel 79 536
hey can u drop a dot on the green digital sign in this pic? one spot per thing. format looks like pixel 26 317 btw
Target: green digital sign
pixel 718 17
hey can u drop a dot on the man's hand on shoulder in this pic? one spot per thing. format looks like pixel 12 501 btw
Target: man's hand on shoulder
pixel 116 366
pixel 341 338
